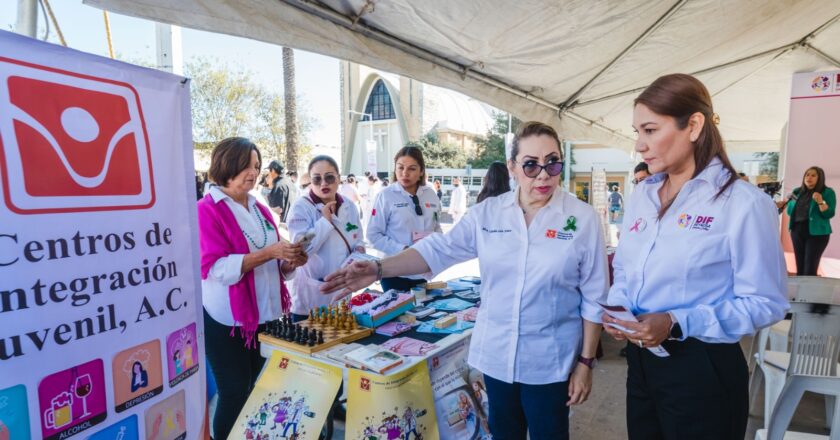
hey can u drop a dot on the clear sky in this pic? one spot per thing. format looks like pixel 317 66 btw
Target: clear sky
pixel 317 76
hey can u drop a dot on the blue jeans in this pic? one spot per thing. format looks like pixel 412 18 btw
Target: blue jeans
pixel 517 408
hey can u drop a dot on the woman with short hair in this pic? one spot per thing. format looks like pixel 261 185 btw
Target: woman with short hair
pixel 244 266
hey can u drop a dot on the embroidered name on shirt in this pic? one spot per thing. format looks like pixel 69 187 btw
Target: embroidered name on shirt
pixel 494 231
pixel 400 205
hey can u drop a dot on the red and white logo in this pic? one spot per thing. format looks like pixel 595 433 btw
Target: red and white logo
pixel 71 142
pixel 284 363
pixel 364 384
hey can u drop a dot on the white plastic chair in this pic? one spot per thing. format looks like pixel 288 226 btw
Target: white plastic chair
pixel 788 401
pixel 809 289
pixel 815 330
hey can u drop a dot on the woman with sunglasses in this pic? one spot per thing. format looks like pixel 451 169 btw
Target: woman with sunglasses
pixel 404 213
pixel 543 269
pixel 334 221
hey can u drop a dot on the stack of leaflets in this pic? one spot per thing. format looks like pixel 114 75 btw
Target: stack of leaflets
pixel 375 358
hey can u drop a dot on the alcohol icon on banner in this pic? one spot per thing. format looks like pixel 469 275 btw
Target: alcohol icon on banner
pixel 125 429
pixel 73 400
pixel 181 354
pixel 137 374
pixel 14 414
pixel 166 420
pixel 88 132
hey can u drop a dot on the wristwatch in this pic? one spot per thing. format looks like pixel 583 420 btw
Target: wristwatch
pixel 676 330
pixel 589 362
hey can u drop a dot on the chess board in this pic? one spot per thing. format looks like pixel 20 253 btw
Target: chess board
pixel 332 336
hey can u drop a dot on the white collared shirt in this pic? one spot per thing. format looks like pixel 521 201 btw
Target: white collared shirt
pixel 326 251
pixel 537 283
pixel 228 270
pixel 393 221
pixel 715 263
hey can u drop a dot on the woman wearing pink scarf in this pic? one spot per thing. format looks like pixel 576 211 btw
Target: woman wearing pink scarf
pixel 244 263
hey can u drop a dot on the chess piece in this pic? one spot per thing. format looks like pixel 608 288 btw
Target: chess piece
pixel 305 334
pixel 312 315
pixel 320 336
pixel 353 325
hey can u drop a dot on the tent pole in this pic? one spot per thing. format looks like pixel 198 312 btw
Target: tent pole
pixel 653 28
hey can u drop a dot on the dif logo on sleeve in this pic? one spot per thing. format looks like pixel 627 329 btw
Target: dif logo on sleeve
pixel 71 142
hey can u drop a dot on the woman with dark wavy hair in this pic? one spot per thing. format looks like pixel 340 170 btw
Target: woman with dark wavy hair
pixel 699 264
pixel 810 208
pixel 497 181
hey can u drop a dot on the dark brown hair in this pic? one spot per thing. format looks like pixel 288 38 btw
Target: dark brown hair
pixel 230 157
pixel 323 158
pixel 496 181
pixel 414 153
pixel 820 185
pixel 680 96
pixel 533 128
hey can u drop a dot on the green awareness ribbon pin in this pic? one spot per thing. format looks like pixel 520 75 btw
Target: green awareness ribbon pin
pixel 350 226
pixel 570 224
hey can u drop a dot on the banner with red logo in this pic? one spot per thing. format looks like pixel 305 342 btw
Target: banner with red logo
pixel 461 402
pixel 397 406
pixel 291 400
pixel 101 333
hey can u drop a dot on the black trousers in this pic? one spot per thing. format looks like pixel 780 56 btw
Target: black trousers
pixel 400 284
pixel 807 248
pixel 235 369
pixel 699 392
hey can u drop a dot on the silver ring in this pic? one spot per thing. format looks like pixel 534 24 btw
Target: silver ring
pixel 641 344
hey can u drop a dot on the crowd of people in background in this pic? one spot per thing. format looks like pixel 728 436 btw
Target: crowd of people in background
pixel 536 245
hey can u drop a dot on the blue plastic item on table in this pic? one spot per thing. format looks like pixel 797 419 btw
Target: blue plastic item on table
pixel 451 304
pixel 458 327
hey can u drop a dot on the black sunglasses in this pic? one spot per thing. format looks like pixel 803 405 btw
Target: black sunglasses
pixel 329 179
pixel 533 169
pixel 417 209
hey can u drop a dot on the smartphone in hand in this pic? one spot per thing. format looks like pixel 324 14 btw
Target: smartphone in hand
pixel 305 240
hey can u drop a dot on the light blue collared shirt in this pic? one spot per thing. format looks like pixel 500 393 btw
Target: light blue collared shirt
pixel 715 263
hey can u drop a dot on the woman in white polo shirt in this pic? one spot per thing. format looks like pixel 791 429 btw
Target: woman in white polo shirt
pixel 543 269
pixel 404 213
pixel 334 223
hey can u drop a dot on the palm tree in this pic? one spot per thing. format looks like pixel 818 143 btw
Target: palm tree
pixel 290 109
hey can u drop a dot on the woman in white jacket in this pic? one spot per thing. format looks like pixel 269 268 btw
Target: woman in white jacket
pixel 334 223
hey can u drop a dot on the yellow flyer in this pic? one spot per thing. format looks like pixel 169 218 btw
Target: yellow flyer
pixel 399 406
pixel 290 400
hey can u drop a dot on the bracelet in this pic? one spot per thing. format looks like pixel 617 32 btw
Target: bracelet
pixel 378 269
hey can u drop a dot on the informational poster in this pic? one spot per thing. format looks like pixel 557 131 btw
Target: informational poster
pixel 813 139
pixel 461 402
pixel 398 406
pixel 101 331
pixel 291 400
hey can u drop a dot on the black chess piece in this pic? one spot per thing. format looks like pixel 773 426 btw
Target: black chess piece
pixel 312 338
pixel 290 333
pixel 320 336
pixel 306 333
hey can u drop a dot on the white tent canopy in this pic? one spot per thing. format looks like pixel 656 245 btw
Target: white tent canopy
pixel 576 64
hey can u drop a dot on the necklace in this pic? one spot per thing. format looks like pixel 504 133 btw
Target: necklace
pixel 262 227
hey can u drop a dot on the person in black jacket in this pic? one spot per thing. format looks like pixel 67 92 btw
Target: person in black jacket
pixel 281 190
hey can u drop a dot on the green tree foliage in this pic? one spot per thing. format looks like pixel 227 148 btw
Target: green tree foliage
pixel 491 148
pixel 770 164
pixel 228 102
pixel 440 155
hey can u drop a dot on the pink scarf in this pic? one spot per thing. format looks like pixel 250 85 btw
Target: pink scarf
pixel 219 235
